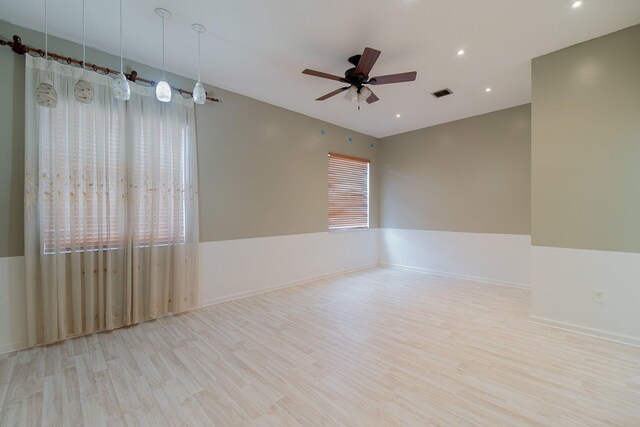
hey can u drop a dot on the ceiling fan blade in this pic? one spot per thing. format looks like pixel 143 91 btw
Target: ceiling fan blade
pixel 393 78
pixel 372 98
pixel 323 75
pixel 367 60
pixel 330 94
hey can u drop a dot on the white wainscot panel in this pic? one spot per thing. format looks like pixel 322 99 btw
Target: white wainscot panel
pixel 228 270
pixel 562 292
pixel 235 268
pixel 485 257
pixel 13 317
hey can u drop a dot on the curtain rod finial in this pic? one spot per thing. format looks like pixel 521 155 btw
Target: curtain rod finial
pixel 17 46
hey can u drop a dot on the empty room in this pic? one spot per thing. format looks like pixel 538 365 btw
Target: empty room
pixel 320 213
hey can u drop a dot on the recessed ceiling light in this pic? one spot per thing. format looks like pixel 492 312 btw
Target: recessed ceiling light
pixel 488 89
pixel 461 52
pixel 576 3
pixel 398 115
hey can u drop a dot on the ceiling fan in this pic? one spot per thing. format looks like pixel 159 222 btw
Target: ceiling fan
pixel 358 76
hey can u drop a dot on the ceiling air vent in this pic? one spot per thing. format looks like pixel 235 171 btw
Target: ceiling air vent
pixel 442 92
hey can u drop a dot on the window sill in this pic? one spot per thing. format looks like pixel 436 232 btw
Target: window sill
pixel 347 230
pixel 108 248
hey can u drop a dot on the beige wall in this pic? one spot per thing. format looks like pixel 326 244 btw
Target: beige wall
pixel 470 175
pixel 263 169
pixel 586 145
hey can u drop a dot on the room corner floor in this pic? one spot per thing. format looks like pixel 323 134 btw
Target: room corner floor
pixel 377 347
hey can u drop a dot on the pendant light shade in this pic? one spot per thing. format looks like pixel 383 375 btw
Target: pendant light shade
pixel 352 94
pixel 121 89
pixel 83 90
pixel 199 94
pixel 363 94
pixel 163 90
pixel 46 95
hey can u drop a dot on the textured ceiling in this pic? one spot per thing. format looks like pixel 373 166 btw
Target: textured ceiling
pixel 258 48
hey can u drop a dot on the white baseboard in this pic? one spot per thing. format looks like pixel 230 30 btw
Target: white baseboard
pixel 486 280
pixel 583 330
pixel 241 295
pixel 12 346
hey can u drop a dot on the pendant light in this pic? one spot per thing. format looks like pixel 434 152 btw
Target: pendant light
pixel 199 94
pixel 121 88
pixel 46 95
pixel 163 90
pixel 83 90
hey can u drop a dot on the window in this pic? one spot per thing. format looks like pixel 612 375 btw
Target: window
pixel 100 187
pixel 81 181
pixel 348 192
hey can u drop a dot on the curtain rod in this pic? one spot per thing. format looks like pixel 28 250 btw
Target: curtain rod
pixel 20 49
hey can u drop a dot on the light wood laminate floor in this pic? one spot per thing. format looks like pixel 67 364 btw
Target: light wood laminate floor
pixel 376 347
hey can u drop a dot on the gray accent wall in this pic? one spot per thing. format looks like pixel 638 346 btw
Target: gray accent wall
pixel 470 175
pixel 586 145
pixel 262 169
pixel 11 151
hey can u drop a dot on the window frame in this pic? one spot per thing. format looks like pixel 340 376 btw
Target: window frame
pixel 358 160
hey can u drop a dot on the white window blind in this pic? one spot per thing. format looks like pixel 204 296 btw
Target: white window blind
pixel 348 192
pixel 158 177
pixel 82 181
pixel 97 189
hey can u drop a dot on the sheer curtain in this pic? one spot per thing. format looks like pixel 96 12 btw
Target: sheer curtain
pixel 111 206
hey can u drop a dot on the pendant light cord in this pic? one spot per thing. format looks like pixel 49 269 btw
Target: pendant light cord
pixel 198 56
pixel 121 57
pixel 163 72
pixel 46 33
pixel 84 44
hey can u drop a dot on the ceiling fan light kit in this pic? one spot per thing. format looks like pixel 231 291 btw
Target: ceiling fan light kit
pixel 352 94
pixel 358 77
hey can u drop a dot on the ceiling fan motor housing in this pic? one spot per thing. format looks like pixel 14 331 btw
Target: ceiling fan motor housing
pixel 350 75
pixel 354 78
